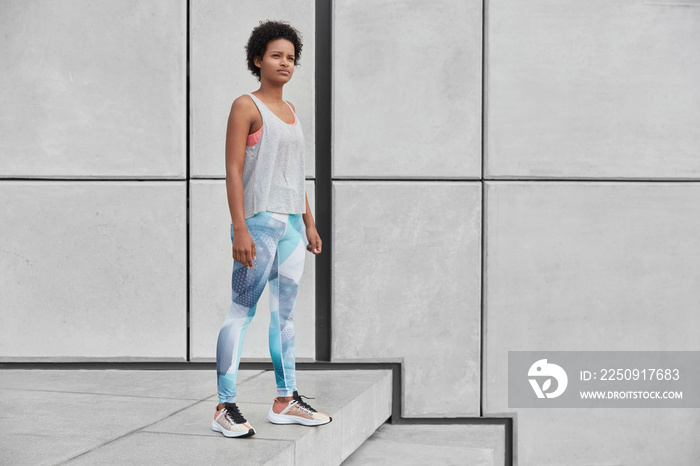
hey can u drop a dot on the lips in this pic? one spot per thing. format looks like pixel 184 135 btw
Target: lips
pixel 283 71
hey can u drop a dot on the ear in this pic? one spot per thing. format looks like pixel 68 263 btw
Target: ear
pixel 257 61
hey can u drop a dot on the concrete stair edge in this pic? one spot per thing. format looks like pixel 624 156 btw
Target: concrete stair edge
pixel 351 426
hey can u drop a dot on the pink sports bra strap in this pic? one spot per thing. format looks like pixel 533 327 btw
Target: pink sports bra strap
pixel 293 113
pixel 254 138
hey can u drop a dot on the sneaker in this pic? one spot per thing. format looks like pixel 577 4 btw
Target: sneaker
pixel 230 422
pixel 296 411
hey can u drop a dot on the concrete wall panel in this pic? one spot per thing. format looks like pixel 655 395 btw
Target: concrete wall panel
pixel 592 266
pixel 593 89
pixel 407 88
pixel 406 286
pixel 211 265
pixel 92 270
pixel 219 31
pixel 602 436
pixel 92 89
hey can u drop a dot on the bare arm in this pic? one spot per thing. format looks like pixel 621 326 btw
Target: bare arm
pixel 311 234
pixel 241 118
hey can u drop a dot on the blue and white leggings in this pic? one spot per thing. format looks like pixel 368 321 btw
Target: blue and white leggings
pixel 280 252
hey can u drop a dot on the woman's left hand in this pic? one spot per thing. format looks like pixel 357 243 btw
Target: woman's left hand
pixel 314 245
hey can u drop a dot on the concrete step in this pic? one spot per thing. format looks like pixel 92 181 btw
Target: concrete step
pixel 95 417
pixel 446 444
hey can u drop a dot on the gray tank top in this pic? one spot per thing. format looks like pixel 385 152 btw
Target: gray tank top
pixel 273 171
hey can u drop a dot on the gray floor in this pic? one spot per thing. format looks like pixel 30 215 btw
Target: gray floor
pixel 92 417
pixel 52 416
pixel 471 445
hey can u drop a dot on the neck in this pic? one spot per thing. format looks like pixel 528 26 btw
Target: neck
pixel 271 92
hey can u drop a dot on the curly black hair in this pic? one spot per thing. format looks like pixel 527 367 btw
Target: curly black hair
pixel 265 33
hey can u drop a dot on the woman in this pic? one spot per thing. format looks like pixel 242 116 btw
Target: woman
pixel 268 204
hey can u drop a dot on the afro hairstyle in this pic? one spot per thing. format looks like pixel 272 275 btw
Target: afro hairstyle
pixel 265 33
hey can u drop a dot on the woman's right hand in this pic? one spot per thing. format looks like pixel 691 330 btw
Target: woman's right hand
pixel 243 248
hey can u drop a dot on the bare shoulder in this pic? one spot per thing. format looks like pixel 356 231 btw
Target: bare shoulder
pixel 244 104
pixel 243 109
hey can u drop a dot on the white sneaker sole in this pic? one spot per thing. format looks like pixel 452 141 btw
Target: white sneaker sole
pixel 215 426
pixel 288 419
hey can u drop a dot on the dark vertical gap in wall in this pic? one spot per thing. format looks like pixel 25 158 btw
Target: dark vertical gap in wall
pixel 187 174
pixel 324 186
pixel 509 442
pixel 482 333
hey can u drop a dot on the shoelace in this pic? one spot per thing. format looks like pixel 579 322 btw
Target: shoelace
pixel 300 402
pixel 232 412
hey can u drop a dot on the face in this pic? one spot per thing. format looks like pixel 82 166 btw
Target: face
pixel 278 62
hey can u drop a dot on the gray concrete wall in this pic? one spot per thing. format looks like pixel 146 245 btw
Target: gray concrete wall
pixel 598 91
pixel 592 89
pixel 406 286
pixel 582 217
pixel 93 268
pixel 406 263
pixel 592 266
pixel 93 89
pixel 406 89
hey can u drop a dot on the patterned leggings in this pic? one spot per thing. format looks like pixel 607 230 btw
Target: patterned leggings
pixel 280 252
